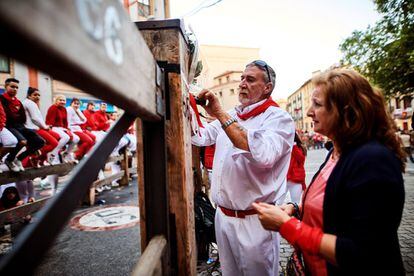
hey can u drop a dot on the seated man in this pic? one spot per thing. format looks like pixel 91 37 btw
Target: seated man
pixel 15 120
pixel 7 139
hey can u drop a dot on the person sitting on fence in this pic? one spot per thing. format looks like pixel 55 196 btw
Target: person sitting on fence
pixel 253 145
pixel 101 121
pixel 75 120
pixel 35 121
pixel 57 118
pixel 88 112
pixel 16 118
pixel 7 139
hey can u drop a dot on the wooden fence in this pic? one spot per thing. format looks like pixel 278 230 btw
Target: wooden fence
pixel 91 44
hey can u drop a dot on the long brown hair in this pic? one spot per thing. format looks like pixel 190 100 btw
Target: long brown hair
pixel 300 144
pixel 358 110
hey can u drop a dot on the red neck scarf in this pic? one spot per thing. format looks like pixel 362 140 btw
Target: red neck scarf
pixel 14 103
pixel 258 110
pixel 194 107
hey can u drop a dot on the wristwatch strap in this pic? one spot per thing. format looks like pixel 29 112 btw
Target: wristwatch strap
pixel 227 123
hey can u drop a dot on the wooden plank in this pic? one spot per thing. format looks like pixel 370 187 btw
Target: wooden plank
pixel 150 261
pixel 107 180
pixel 60 169
pixel 17 213
pixel 124 181
pixel 169 45
pixel 141 186
pixel 89 44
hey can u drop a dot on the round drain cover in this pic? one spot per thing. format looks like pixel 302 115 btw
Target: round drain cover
pixel 106 218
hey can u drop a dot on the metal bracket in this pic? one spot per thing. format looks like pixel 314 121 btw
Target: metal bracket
pixel 168 68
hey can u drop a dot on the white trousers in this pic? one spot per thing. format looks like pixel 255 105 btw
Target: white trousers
pixel 245 247
pixel 64 139
pixel 295 191
pixel 7 138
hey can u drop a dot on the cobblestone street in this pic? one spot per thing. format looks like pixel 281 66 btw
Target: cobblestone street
pixel 406 230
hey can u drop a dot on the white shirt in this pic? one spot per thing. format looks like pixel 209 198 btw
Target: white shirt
pixel 74 121
pixel 34 118
pixel 241 177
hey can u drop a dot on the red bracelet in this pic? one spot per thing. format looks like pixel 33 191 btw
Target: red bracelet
pixel 300 235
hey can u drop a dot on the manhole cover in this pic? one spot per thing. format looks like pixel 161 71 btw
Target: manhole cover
pixel 107 218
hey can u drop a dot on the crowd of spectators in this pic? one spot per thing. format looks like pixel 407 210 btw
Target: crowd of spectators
pixel 28 139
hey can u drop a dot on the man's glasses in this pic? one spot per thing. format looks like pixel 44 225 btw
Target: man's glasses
pixel 264 65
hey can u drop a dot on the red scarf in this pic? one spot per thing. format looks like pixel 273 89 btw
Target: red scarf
pixel 258 110
pixel 14 103
pixel 194 107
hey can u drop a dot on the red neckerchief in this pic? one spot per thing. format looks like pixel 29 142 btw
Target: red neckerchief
pixel 15 104
pixel 258 110
pixel 194 107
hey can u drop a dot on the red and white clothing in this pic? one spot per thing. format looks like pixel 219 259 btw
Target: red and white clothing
pixel 57 118
pixel 86 139
pixel 296 174
pixel 240 178
pixel 7 139
pixel 313 215
pixel 36 122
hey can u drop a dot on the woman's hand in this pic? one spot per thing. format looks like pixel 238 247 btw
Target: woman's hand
pixel 271 217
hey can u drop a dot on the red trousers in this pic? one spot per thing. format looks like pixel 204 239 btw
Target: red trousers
pixel 86 142
pixel 51 138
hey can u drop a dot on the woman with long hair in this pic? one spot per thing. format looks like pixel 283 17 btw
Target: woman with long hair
pixel 352 209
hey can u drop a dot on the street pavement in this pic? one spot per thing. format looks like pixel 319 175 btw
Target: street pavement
pixel 406 230
pixel 115 252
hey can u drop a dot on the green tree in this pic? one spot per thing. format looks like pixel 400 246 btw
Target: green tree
pixel 385 52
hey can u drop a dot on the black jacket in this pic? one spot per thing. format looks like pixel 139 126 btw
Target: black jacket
pixel 363 205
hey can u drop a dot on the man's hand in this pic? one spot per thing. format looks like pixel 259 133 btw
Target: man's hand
pixel 288 208
pixel 271 217
pixel 213 106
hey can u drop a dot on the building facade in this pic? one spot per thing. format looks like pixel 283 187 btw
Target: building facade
pixel 297 105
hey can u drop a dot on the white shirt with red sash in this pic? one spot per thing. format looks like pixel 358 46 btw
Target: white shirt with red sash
pixel 241 177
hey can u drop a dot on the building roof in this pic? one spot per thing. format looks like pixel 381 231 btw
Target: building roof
pixel 227 73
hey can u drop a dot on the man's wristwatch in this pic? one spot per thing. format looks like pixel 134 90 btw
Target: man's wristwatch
pixel 227 123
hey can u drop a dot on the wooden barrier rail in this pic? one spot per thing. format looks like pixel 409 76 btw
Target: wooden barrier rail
pixel 150 262
pixel 15 214
pixel 92 45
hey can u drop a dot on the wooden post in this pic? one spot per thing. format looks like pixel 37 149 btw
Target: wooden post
pixel 169 46
pixel 124 181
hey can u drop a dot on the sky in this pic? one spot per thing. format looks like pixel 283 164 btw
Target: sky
pixel 295 37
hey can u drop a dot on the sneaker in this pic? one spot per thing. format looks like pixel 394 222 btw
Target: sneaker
pixel 115 184
pixel 99 189
pixel 12 166
pixel 44 184
pixel 19 164
pixel 34 163
pixel 107 187
pixel 52 159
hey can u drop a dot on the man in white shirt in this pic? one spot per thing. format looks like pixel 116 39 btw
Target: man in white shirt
pixel 253 145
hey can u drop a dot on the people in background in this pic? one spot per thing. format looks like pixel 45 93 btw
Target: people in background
pixel 296 174
pixel 15 123
pixel 7 139
pixel 75 120
pixel 57 118
pixel 101 122
pixel 35 121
